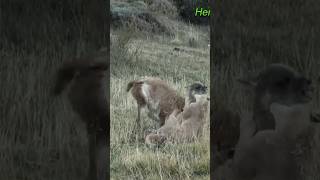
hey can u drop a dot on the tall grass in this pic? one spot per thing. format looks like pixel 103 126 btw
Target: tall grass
pixel 154 56
pixel 40 136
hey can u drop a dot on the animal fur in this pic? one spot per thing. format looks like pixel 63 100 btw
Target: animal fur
pixel 155 95
pixel 225 134
pixel 185 126
pixel 276 83
pixel 269 153
pixel 85 81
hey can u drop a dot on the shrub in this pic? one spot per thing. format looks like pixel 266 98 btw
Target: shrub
pixel 187 8
pixel 137 16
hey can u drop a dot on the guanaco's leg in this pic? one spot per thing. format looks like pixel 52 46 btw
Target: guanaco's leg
pixel 102 148
pixel 139 116
pixel 101 152
pixel 92 175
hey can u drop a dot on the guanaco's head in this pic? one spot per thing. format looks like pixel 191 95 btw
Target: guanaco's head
pixel 76 67
pixel 196 88
pixel 281 84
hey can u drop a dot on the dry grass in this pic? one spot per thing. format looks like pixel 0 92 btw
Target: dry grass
pixel 132 56
pixel 40 136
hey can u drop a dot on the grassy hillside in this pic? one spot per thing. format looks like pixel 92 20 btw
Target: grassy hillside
pixel 179 57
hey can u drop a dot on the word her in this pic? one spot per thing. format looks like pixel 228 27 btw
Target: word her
pixel 202 12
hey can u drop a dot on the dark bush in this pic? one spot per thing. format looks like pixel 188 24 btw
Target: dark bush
pixel 137 16
pixel 187 9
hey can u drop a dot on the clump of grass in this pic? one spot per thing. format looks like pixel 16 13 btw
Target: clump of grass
pixel 164 7
pixel 119 51
pixel 137 15
pixel 187 8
